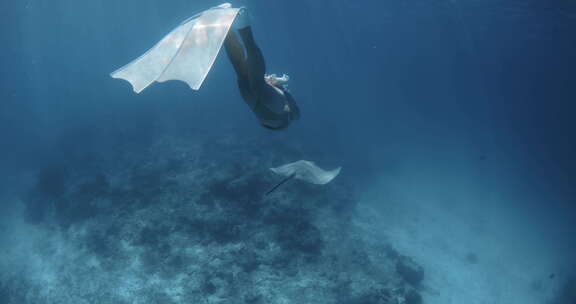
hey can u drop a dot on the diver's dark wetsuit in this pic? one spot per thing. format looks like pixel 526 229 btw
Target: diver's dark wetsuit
pixel 273 105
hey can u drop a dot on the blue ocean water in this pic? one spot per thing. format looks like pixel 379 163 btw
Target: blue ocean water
pixel 452 120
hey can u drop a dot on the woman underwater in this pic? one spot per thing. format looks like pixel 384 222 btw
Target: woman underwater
pixel 188 52
pixel 266 95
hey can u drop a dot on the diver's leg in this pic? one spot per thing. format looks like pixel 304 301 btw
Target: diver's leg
pixel 236 54
pixel 254 57
pixel 237 57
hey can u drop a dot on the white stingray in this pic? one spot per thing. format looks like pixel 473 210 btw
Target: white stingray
pixel 187 53
pixel 307 171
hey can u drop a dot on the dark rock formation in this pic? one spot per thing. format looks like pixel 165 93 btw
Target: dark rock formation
pixel 411 272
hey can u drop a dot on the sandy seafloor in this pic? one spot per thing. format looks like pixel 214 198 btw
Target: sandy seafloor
pixel 475 249
pixel 184 222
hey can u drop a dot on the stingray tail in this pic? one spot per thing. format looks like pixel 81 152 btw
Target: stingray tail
pixel 280 184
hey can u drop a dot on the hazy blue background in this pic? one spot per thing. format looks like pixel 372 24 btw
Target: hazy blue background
pixel 469 102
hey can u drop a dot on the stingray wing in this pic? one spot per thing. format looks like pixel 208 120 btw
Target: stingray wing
pixel 186 53
pixel 307 171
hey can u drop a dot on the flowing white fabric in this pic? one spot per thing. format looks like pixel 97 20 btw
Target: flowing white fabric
pixel 186 53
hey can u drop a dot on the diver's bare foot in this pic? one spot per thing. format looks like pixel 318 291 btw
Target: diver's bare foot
pixel 242 19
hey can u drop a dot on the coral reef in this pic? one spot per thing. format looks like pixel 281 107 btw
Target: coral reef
pixel 187 222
